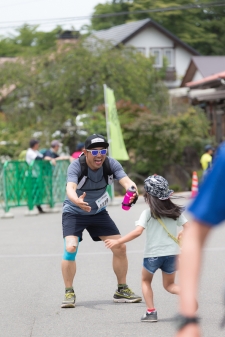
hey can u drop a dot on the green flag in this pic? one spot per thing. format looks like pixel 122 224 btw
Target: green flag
pixel 117 146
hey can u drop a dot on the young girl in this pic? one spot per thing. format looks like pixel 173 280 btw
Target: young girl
pixel 160 248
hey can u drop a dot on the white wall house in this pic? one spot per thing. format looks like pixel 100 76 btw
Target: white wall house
pixel 203 66
pixel 150 38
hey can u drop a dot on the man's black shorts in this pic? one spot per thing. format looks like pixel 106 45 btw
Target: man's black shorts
pixel 99 224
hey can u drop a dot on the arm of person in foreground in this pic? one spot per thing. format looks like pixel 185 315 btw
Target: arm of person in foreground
pixel 110 243
pixel 72 195
pixel 190 262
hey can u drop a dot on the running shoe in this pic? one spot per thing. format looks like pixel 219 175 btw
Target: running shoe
pixel 126 295
pixel 150 317
pixel 69 299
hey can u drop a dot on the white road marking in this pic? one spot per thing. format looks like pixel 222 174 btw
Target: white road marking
pixel 209 249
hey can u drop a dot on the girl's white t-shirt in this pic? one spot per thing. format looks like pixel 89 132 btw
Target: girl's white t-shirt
pixel 158 243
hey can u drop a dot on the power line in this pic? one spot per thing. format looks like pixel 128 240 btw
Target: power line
pixel 107 15
pixel 184 7
pixel 20 3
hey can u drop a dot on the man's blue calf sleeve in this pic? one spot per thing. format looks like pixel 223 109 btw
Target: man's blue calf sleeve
pixel 70 256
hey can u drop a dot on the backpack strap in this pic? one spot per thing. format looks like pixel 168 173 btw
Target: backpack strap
pixel 107 172
pixel 170 235
pixel 84 171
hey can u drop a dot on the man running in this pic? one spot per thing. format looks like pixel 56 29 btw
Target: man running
pixel 85 208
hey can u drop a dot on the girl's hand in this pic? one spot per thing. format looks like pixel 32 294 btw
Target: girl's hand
pixel 109 243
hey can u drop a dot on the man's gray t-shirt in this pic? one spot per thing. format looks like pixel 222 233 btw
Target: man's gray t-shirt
pixel 95 185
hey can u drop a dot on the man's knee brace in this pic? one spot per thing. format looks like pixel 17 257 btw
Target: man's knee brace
pixel 70 256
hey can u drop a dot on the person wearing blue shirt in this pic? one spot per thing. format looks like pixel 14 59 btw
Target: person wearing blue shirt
pixel 208 211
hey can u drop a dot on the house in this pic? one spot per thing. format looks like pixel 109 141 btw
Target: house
pixel 209 93
pixel 203 66
pixel 150 38
pixel 67 37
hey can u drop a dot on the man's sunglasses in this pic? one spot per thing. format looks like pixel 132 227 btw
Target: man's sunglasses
pixel 96 152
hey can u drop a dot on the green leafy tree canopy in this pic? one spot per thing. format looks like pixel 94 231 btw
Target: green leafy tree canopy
pixel 51 90
pixel 202 28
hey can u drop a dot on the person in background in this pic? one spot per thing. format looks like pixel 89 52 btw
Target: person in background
pixel 53 152
pixel 208 211
pixel 79 150
pixel 33 154
pixel 206 158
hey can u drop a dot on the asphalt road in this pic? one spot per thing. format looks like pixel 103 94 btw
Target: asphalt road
pixel 31 286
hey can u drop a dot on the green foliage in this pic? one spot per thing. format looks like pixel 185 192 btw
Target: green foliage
pixel 176 188
pixel 28 41
pixel 115 6
pixel 53 89
pixel 155 140
pixel 202 28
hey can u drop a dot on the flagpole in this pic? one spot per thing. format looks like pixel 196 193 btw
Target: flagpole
pixel 107 119
pixel 108 131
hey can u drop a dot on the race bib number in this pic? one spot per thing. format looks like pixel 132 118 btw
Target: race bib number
pixel 102 202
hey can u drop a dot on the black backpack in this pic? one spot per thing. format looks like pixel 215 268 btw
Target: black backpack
pixel 107 172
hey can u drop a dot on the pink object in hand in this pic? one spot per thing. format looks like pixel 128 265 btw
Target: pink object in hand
pixel 126 200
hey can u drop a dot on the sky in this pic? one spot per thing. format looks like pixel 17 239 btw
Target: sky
pixel 17 12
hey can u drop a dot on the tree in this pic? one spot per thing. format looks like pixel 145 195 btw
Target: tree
pixel 156 140
pixel 29 41
pixel 202 28
pixel 115 6
pixel 53 89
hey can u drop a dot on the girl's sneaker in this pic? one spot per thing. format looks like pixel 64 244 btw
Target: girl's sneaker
pixel 150 317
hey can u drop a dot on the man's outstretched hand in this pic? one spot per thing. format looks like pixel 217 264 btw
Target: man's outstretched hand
pixel 82 204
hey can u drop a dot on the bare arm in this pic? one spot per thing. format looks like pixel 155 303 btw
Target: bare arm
pixel 190 261
pixel 126 182
pixel 129 237
pixel 72 195
pixel 52 160
pixel 63 158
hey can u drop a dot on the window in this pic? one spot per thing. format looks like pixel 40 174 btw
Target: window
pixel 141 50
pixel 157 53
pixel 168 53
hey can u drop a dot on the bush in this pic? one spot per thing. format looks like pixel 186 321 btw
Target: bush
pixel 176 188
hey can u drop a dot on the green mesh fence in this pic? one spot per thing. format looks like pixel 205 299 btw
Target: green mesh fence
pixel 59 181
pixel 29 185
pixel 2 204
pixel 15 179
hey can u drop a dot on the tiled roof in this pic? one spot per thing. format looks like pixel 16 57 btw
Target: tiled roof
pixel 122 33
pixel 209 65
pixel 118 34
pixel 207 80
